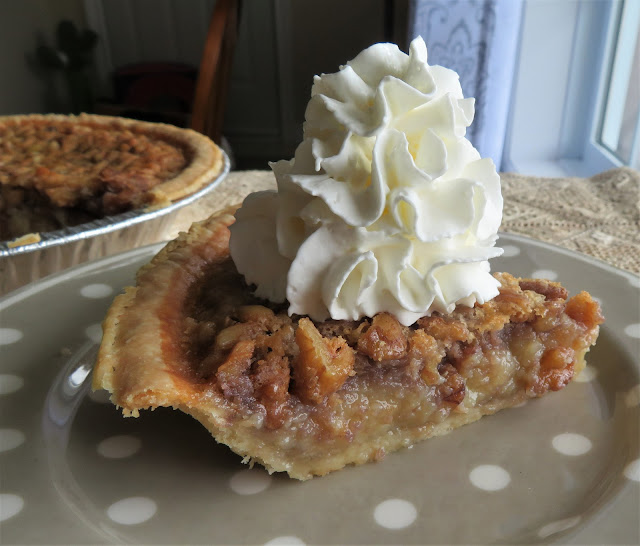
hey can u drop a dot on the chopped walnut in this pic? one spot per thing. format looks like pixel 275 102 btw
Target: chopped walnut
pixel 424 355
pixel 281 342
pixel 323 364
pixel 351 330
pixel 446 330
pixel 550 290
pixel 271 383
pixel 272 377
pixel 384 340
pixel 453 389
pixel 556 368
pixel 241 331
pixel 256 313
pixel 582 308
pixel 233 373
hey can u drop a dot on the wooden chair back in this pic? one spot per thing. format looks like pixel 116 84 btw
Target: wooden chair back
pixel 215 70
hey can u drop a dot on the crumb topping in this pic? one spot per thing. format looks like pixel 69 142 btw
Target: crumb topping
pixel 258 356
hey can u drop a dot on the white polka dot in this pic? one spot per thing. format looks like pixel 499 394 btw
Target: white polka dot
pixel 285 541
pixel 544 274
pixel 489 477
pixel 395 514
pixel 250 481
pixel 132 511
pixel 94 333
pixel 589 373
pixel 10 438
pixel 571 444
pixel 101 396
pixel 119 447
pixel 635 281
pixel 632 398
pixel 632 470
pixel 558 526
pixel 10 383
pixel 633 330
pixel 510 251
pixel 9 335
pixel 96 291
pixel 10 505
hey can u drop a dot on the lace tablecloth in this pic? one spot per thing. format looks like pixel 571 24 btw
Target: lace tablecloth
pixel 599 216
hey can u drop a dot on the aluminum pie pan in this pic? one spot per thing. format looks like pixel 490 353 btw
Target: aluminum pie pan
pixel 115 222
pixel 59 249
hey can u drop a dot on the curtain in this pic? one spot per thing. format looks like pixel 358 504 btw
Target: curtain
pixel 479 40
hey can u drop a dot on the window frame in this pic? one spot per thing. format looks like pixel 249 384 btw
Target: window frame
pixel 631 10
pixel 564 77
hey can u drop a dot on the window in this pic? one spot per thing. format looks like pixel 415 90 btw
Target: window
pixel 619 127
pixel 574 107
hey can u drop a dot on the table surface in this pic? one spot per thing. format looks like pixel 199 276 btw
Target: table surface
pixel 599 216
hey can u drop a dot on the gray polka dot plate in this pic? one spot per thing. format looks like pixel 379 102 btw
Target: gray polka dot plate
pixel 564 468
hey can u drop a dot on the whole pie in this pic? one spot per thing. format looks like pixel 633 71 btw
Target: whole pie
pixel 309 397
pixel 58 171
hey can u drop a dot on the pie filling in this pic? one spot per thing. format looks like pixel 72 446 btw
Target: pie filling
pixel 320 389
pixel 56 173
pixel 309 398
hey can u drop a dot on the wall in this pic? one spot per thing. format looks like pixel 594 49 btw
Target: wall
pixel 322 41
pixel 282 45
pixel 299 39
pixel 24 89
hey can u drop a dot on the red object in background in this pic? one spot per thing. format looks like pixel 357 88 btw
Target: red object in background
pixel 156 87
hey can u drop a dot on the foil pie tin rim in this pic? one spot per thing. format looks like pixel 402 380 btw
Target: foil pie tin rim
pixel 115 222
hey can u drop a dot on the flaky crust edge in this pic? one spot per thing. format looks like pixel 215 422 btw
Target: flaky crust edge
pixel 128 380
pixel 135 385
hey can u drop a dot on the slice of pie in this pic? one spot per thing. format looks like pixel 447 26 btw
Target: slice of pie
pixel 58 171
pixel 309 398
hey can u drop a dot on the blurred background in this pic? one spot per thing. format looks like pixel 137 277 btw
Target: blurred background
pixel 557 83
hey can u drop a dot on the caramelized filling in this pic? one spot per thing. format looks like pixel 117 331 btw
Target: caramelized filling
pixel 338 377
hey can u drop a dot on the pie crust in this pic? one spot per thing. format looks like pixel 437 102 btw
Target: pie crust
pixel 58 170
pixel 309 398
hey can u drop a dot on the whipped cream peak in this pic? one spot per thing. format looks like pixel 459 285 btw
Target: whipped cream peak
pixel 386 205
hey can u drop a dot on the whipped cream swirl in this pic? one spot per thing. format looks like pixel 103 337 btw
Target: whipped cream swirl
pixel 386 205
